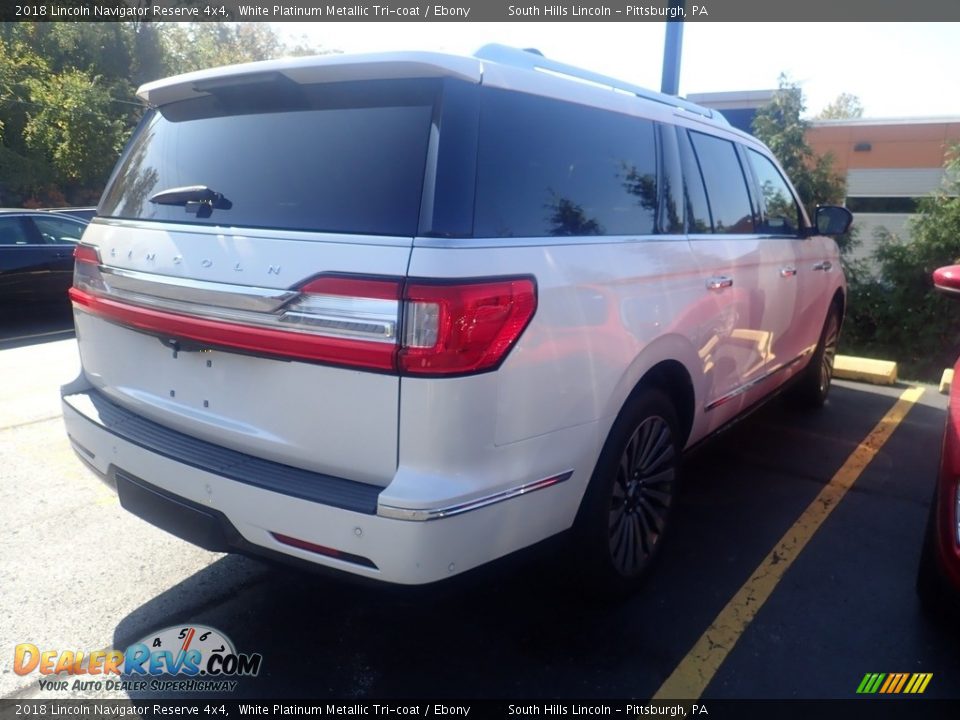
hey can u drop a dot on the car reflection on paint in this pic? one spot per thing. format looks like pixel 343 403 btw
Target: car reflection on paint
pixel 938 578
pixel 36 255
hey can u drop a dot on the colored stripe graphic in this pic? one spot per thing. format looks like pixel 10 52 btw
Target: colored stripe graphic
pixel 894 683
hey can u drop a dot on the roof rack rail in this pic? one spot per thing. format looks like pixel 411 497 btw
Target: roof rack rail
pixel 506 55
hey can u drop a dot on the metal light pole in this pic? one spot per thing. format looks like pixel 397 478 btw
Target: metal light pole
pixel 672 47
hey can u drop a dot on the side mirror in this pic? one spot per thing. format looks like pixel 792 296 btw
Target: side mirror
pixel 947 280
pixel 832 220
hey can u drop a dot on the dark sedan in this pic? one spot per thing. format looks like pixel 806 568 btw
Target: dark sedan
pixel 36 255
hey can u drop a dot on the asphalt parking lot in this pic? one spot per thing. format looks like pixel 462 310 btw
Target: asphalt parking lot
pixel 78 572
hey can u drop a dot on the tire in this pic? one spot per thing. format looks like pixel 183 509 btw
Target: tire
pixel 813 387
pixel 629 503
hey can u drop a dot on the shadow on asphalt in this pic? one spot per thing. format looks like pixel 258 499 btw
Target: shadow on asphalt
pixel 514 630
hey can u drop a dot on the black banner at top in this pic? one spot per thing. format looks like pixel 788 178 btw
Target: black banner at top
pixel 486 11
pixel 532 709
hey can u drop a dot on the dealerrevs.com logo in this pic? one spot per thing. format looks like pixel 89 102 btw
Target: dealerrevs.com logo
pixel 180 659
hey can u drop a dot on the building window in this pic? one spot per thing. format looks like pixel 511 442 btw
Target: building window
pixel 893 205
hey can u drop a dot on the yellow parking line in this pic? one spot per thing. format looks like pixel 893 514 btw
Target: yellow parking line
pixel 691 677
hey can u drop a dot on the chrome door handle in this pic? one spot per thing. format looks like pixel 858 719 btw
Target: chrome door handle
pixel 788 271
pixel 719 282
pixel 825 265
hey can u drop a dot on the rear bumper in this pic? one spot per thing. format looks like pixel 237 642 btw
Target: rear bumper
pixel 226 501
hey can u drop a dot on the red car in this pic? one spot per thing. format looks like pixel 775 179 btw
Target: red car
pixel 939 574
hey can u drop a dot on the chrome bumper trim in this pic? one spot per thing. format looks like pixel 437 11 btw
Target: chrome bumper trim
pixel 187 290
pixel 425 514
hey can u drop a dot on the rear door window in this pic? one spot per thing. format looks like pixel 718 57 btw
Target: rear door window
pixel 552 168
pixel 726 185
pixel 341 157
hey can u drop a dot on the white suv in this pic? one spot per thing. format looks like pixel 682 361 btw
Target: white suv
pixel 403 314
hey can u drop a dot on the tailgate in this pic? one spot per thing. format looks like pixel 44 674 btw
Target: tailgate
pixel 241 283
pixel 295 410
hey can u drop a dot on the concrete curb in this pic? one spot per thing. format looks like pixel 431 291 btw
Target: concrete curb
pixel 878 372
pixel 946 380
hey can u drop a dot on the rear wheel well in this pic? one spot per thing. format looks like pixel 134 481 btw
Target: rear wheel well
pixel 672 378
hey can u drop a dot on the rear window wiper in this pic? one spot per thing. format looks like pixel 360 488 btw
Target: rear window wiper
pixel 197 199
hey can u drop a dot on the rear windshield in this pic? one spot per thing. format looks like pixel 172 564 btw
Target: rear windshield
pixel 342 157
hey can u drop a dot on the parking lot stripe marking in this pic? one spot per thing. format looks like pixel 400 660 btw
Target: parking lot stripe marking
pixel 695 671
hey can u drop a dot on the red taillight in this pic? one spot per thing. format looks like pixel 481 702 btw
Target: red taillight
pixel 275 341
pixel 351 321
pixel 86 269
pixel 463 328
pixel 347 286
pixel 86 254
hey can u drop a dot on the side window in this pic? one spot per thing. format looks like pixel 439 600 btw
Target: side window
pixel 726 185
pixel 13 231
pixel 781 214
pixel 671 181
pixel 695 196
pixel 547 167
pixel 57 231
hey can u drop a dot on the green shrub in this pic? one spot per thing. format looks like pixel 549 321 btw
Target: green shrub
pixel 894 312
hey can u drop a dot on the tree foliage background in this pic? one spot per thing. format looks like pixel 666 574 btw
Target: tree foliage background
pixel 67 95
pixel 893 311
pixel 781 126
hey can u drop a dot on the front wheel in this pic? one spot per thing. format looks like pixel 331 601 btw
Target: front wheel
pixel 629 502
pixel 813 386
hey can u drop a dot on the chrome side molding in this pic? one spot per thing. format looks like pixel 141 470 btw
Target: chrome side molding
pixel 425 514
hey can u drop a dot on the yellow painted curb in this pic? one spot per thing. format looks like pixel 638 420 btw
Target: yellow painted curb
pixel 946 381
pixel 878 372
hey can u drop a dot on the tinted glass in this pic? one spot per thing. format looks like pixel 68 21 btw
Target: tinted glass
pixel 671 181
pixel 726 186
pixel 781 216
pixel 13 231
pixel 58 231
pixel 344 157
pixel 695 196
pixel 547 167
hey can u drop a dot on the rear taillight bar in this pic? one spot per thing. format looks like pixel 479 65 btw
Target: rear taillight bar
pixel 463 327
pixel 411 327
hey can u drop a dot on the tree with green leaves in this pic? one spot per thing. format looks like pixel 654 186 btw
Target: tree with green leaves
pixel 74 125
pixel 67 94
pixel 897 313
pixel 779 124
pixel 844 107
